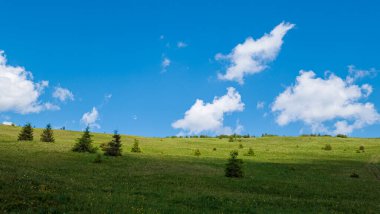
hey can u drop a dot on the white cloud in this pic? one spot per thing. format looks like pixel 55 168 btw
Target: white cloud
pixel 252 56
pixel 165 64
pixel 108 96
pixel 7 123
pixel 90 118
pixel 239 128
pixel 63 94
pixel 50 106
pixel 181 44
pixel 316 102
pixel 260 105
pixel 209 117
pixel 355 74
pixel 18 92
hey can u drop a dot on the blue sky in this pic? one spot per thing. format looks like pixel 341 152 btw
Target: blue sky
pixel 110 54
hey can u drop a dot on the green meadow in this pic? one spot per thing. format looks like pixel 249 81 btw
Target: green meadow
pixel 285 175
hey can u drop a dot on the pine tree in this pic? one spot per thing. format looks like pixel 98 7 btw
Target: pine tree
pixel 47 134
pixel 234 166
pixel 84 143
pixel 113 148
pixel 136 147
pixel 26 133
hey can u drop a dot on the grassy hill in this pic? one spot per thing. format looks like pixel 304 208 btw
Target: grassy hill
pixel 286 175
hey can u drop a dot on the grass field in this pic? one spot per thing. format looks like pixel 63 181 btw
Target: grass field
pixel 286 175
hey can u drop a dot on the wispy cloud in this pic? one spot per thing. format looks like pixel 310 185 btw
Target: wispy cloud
pixel 165 64
pixel 63 94
pixel 181 44
pixel 252 56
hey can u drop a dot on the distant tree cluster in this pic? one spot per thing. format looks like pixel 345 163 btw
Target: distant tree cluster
pixel 234 136
pixel 315 135
pixel 217 136
pixel 268 135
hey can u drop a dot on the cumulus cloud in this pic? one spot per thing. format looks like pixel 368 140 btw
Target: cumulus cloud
pixel 318 102
pixel 63 94
pixel 18 92
pixel 208 117
pixel 90 118
pixel 252 56
pixel 165 64
pixel 181 44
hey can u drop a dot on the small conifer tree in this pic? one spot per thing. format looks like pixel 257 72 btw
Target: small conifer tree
pixel 136 147
pixel 84 143
pixel 26 133
pixel 47 134
pixel 234 166
pixel 113 148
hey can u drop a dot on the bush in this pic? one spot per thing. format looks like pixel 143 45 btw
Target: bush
pixel 327 147
pixel 214 149
pixel 354 175
pixel 241 146
pixel 230 139
pixel 250 152
pixel 113 148
pixel 84 143
pixel 47 134
pixel 98 158
pixel 197 153
pixel 361 148
pixel 136 147
pixel 26 133
pixel 234 166
pixel 341 135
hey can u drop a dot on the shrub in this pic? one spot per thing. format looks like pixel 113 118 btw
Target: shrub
pixel 361 148
pixel 214 149
pixel 354 175
pixel 98 158
pixel 341 135
pixel 26 133
pixel 113 148
pixel 327 147
pixel 241 146
pixel 47 134
pixel 230 139
pixel 84 144
pixel 250 152
pixel 234 166
pixel 197 153
pixel 136 147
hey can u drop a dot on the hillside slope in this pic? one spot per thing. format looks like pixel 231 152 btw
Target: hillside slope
pixel 286 175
